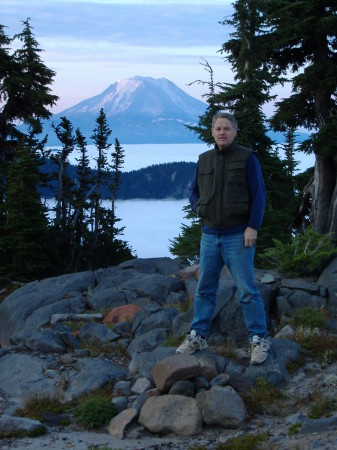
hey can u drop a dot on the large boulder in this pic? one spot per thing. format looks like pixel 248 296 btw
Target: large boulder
pixel 32 306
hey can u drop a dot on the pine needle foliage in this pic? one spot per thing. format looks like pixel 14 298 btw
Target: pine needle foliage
pixel 305 255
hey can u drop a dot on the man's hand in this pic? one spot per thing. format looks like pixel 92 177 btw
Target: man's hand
pixel 250 236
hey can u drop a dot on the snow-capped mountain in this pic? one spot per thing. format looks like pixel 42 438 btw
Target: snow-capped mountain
pixel 138 110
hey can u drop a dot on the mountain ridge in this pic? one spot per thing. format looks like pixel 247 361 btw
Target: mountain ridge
pixel 138 110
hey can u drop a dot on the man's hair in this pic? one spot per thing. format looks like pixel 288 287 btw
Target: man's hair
pixel 225 115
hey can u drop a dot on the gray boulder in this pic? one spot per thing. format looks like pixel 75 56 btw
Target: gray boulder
pixel 31 307
pixel 91 374
pixel 222 406
pixel 171 413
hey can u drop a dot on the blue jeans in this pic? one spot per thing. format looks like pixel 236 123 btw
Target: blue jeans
pixel 215 251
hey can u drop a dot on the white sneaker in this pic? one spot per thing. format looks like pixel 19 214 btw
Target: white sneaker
pixel 259 350
pixel 192 343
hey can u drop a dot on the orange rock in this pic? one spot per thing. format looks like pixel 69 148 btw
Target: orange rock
pixel 124 313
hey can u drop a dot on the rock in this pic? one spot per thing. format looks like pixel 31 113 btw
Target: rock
pixel 23 375
pixel 148 341
pixel 220 380
pixel 222 406
pixel 168 413
pixel 319 425
pixel 119 424
pixel 208 367
pixel 142 363
pixel 18 424
pixel 120 403
pixel 141 385
pixel 285 332
pixel 122 387
pixel 268 278
pixel 182 387
pixel 31 306
pixel 97 332
pixel 175 368
pixel 125 313
pixel 91 374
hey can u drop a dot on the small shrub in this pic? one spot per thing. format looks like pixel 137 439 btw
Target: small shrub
pixel 310 317
pixel 261 395
pixel 38 431
pixel 35 405
pixel 227 351
pixel 245 442
pixel 318 345
pixel 295 428
pixel 304 255
pixel 94 412
pixel 173 342
pixel 322 407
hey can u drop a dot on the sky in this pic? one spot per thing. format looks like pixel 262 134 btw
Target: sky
pixel 91 44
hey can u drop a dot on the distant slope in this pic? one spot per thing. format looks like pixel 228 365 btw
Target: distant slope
pixel 159 181
pixel 139 110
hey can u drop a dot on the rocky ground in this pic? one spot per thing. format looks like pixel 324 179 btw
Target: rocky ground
pixel 276 421
pixel 29 323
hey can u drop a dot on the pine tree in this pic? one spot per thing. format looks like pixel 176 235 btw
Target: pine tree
pixel 306 32
pixel 204 127
pixel 25 242
pixel 100 137
pixel 187 245
pixel 248 51
pixel 83 187
pixel 62 229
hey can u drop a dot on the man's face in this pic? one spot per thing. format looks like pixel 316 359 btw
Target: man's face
pixel 223 133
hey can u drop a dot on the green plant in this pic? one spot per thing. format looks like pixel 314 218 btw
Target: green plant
pixel 38 431
pixel 245 442
pixel 322 407
pixel 310 317
pixel 302 255
pixel 94 412
pixel 225 350
pixel 173 342
pixel 295 428
pixel 35 405
pixel 261 395
pixel 320 346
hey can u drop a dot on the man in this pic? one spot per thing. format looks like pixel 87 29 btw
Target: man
pixel 228 193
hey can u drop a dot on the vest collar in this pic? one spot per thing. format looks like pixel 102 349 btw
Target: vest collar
pixel 227 150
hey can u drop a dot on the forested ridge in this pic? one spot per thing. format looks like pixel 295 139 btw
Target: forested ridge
pixel 157 181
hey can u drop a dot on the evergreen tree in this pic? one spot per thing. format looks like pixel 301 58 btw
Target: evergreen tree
pixel 24 243
pixel 204 127
pixel 306 32
pixel 83 187
pixel 100 137
pixel 25 96
pixel 62 229
pixel 187 245
pixel 248 51
pixel 64 132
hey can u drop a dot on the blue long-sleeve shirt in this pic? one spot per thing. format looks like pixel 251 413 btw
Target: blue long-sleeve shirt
pixel 257 191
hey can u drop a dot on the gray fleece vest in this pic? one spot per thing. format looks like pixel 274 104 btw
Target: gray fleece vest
pixel 224 197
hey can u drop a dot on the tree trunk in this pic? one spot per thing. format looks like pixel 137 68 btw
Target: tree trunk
pixel 324 200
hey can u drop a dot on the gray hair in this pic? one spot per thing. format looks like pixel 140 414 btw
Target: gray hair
pixel 225 115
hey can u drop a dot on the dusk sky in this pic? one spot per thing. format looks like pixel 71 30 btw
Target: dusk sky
pixel 91 44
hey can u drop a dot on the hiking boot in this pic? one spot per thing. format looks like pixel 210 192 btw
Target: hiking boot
pixel 192 343
pixel 259 350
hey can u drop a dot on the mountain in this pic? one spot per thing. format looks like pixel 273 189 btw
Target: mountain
pixel 139 110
